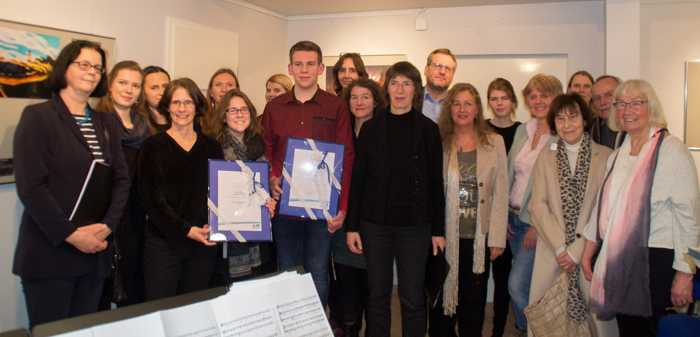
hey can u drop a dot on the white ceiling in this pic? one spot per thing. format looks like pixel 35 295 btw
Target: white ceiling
pixel 312 7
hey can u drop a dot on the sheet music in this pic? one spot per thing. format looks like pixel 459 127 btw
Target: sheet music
pixel 147 326
pixel 311 174
pixel 237 209
pixel 194 320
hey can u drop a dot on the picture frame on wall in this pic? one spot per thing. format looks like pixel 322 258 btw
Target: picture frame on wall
pixel 27 56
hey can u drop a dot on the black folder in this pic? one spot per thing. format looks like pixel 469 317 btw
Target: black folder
pixel 435 275
pixel 95 196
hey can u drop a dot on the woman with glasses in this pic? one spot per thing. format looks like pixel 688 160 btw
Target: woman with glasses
pixel 566 180
pixel 645 219
pixel 124 91
pixel 63 263
pixel 397 203
pixel 239 133
pixel 173 184
pixel 155 80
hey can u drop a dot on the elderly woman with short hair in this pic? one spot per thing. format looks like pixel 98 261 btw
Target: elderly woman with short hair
pixel 646 218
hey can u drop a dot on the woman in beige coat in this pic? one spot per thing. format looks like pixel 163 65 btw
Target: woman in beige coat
pixel 566 180
pixel 476 197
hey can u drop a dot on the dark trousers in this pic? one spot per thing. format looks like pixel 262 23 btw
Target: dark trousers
pixel 167 274
pixel 352 292
pixel 54 299
pixel 501 298
pixel 661 276
pixel 472 298
pixel 410 246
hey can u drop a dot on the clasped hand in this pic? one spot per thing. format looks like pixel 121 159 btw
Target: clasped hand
pixel 90 239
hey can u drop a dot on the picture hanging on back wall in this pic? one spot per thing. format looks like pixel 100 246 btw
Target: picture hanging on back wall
pixel 27 56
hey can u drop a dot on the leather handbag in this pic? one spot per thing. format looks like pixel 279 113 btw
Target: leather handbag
pixel 548 316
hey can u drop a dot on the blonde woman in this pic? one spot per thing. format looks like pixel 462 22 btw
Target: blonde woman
pixel 476 194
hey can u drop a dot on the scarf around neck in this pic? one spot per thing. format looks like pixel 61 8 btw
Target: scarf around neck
pixel 620 282
pixel 573 191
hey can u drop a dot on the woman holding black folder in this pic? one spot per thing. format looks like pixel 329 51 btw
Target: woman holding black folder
pixel 173 184
pixel 63 263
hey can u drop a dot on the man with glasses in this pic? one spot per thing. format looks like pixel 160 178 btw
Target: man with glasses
pixel 602 104
pixel 439 72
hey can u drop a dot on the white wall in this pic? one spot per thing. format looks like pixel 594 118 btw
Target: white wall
pixel 574 28
pixel 139 29
pixel 670 36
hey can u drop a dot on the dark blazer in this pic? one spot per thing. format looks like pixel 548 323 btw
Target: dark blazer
pixel 51 160
pixel 370 178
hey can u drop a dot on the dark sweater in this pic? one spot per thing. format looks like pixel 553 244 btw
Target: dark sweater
pixel 376 181
pixel 173 185
pixel 508 133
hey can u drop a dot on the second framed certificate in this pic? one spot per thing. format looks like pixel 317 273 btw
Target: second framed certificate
pixel 237 194
pixel 312 172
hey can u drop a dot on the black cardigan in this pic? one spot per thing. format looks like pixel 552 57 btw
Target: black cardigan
pixel 51 160
pixel 173 185
pixel 368 192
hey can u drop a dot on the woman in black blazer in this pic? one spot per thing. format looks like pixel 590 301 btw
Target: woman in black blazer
pixel 173 184
pixel 397 205
pixel 62 265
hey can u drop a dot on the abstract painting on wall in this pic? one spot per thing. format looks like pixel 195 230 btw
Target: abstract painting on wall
pixel 26 59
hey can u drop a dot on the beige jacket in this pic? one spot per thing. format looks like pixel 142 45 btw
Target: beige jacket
pixel 545 204
pixel 492 211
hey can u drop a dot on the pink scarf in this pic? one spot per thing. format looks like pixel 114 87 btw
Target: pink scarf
pixel 625 288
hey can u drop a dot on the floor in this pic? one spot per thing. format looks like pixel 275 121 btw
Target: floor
pixel 486 332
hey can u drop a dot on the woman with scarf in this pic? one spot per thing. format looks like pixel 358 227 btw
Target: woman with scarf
pixel 476 198
pixel 238 132
pixel 566 180
pixel 645 219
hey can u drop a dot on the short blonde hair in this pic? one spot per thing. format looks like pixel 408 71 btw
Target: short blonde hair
pixel 282 80
pixel 645 91
pixel 546 84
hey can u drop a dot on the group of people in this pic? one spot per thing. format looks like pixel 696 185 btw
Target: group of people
pixel 593 188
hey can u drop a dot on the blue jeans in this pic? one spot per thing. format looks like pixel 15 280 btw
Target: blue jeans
pixel 521 272
pixel 305 243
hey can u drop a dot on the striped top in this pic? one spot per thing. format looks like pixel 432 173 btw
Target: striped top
pixel 88 131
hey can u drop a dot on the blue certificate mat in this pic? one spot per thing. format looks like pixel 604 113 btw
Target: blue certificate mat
pixel 238 191
pixel 311 178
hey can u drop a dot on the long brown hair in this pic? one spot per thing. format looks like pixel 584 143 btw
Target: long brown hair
pixel 446 124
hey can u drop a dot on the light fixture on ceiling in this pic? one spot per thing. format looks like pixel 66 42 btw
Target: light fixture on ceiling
pixel 422 20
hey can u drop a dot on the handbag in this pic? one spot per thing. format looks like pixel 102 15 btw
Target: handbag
pixel 548 317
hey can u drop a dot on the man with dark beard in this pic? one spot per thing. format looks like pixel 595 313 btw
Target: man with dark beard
pixel 439 72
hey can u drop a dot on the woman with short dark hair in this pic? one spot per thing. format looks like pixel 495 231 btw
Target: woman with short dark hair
pixel 63 263
pixel 397 203
pixel 173 183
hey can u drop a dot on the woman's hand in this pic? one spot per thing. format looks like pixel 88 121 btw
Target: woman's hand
pixel 354 242
pixel 565 262
pixel 99 230
pixel 530 239
pixel 336 222
pixel 271 204
pixel 200 234
pixel 438 244
pixel 86 242
pixel 495 252
pixel 682 289
pixel 586 260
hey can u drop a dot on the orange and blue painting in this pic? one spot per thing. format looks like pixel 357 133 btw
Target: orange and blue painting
pixel 26 60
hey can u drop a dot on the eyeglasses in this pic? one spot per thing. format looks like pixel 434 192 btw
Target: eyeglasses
pixel 442 67
pixel 238 111
pixel 186 103
pixel 562 118
pixel 86 66
pixel 636 104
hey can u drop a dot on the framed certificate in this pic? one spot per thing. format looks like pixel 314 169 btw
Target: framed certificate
pixel 312 171
pixel 238 191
